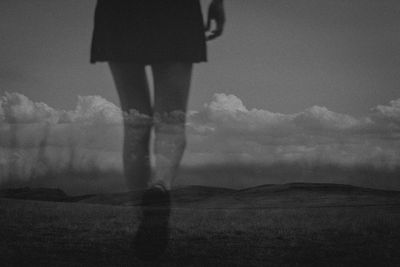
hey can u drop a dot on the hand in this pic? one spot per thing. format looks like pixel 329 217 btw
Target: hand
pixel 215 13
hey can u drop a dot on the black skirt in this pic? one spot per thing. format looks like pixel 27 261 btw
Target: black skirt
pixel 148 31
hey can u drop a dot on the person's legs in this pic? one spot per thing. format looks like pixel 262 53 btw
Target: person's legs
pixel 133 90
pixel 171 88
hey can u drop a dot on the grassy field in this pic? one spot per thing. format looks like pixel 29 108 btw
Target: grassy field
pixel 290 225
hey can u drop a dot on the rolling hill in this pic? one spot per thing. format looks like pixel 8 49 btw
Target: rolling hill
pixel 289 195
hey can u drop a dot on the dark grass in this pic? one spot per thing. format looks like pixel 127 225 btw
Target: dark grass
pixel 270 229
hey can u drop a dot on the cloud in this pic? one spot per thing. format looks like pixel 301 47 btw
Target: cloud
pixel 388 115
pixel 226 103
pixel 17 108
pixel 315 134
pixel 36 139
pixel 320 118
pixel 93 109
pixel 229 112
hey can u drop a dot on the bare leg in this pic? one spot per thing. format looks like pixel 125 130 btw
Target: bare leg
pixel 171 87
pixel 132 86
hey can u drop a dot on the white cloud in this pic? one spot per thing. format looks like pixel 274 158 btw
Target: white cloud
pixel 36 138
pixel 389 115
pixel 17 108
pixel 229 112
pixel 226 103
pixel 315 134
pixel 94 109
pixel 320 118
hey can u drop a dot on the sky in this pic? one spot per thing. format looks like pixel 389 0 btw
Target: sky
pixel 309 81
pixel 278 55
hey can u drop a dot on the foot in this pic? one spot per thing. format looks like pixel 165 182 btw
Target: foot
pixel 152 236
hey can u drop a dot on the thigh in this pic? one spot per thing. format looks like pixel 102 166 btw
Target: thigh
pixel 171 86
pixel 132 86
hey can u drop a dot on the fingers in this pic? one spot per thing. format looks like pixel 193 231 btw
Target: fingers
pixel 212 34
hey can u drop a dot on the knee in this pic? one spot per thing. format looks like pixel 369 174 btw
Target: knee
pixel 170 127
pixel 137 124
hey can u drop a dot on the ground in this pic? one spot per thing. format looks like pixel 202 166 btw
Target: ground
pixel 273 225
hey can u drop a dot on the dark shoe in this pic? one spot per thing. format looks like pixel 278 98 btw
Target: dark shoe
pixel 152 236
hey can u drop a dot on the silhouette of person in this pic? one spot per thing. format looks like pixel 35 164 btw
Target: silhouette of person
pixel 169 36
